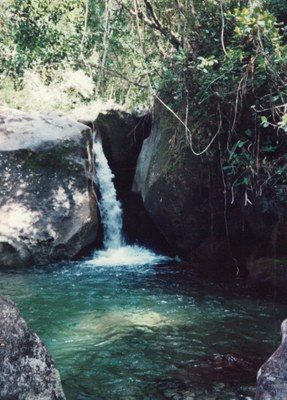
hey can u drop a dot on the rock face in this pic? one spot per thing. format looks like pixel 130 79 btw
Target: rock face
pixel 269 273
pixel 184 195
pixel 178 192
pixel 122 136
pixel 272 376
pixel 47 204
pixel 27 371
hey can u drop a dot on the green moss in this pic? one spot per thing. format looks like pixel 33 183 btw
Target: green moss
pixel 58 158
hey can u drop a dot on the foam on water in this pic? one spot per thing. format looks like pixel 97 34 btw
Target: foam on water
pixel 116 252
pixel 126 256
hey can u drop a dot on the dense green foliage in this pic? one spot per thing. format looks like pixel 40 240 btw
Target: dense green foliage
pixel 39 35
pixel 219 65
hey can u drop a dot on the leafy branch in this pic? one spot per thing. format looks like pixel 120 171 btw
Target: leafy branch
pixel 152 22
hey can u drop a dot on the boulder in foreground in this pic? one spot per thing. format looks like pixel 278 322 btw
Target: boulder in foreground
pixel 27 371
pixel 272 376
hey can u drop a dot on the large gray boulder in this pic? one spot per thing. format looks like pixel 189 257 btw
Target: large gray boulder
pixel 272 376
pixel 27 371
pixel 186 197
pixel 182 192
pixel 47 203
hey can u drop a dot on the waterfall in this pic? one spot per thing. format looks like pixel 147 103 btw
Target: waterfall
pixel 110 207
pixel 116 252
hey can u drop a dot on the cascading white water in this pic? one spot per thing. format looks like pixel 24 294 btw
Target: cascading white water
pixel 110 207
pixel 116 252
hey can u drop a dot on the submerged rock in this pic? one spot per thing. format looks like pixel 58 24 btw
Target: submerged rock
pixel 27 371
pixel 223 368
pixel 47 203
pixel 272 376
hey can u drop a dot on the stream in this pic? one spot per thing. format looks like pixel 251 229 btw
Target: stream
pixel 148 330
pixel 129 324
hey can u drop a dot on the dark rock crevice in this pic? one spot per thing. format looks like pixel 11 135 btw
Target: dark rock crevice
pixel 122 136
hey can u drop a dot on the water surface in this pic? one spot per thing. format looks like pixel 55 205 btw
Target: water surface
pixel 145 331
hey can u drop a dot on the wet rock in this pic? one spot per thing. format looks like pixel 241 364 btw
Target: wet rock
pixel 47 203
pixel 27 371
pixel 122 136
pixel 272 376
pixel 269 274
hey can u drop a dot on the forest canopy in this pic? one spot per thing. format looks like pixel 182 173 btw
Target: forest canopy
pixel 218 65
pixel 131 49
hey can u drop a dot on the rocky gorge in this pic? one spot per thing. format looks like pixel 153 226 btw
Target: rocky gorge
pixel 172 198
pixel 49 201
